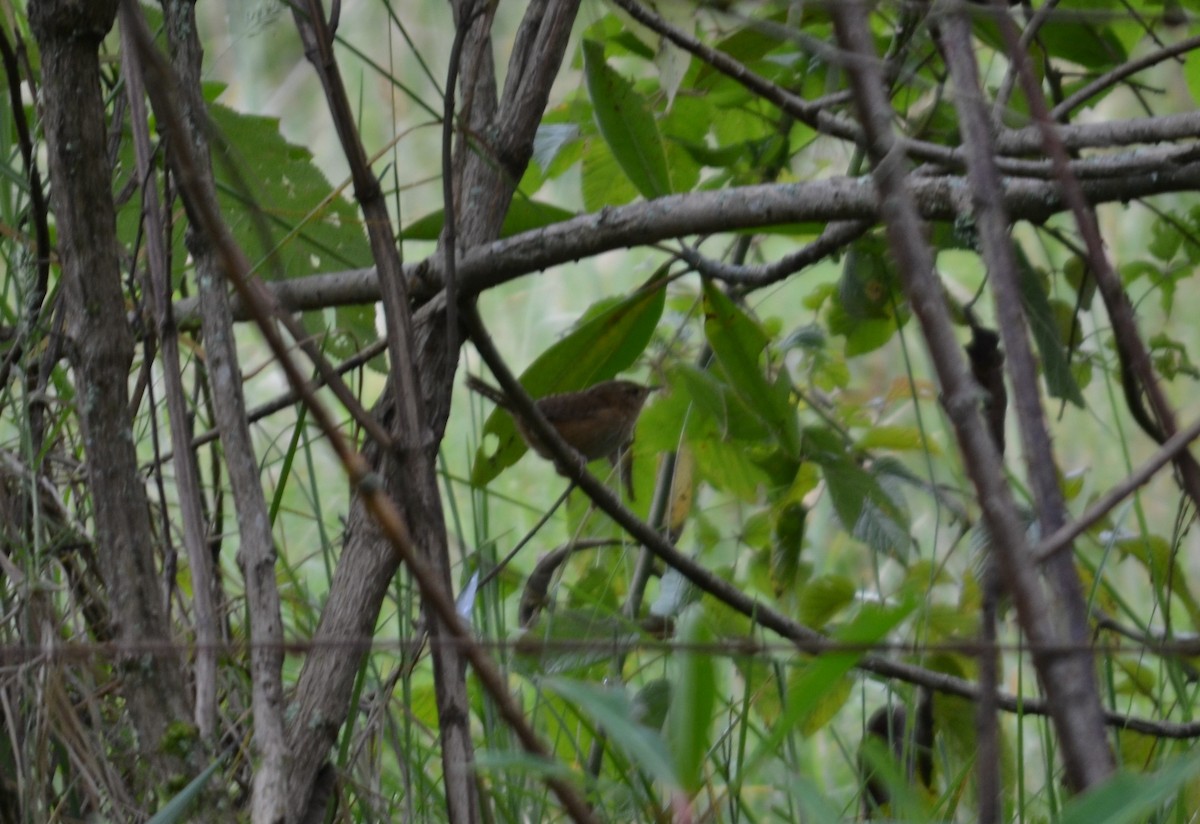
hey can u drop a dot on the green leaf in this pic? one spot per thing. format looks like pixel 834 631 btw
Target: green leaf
pixel 1129 797
pixel 595 351
pixel 869 335
pixel 1158 557
pixel 866 309
pixel 1165 240
pixel 868 511
pixel 612 710
pixel 265 182
pixel 895 437
pixel 823 598
pixel 550 141
pixel 601 181
pixel 790 520
pixel 1056 369
pixel 738 343
pixel 727 466
pixel 827 706
pixel 652 703
pixel 867 284
pixel 316 229
pixel 694 700
pixel 627 124
pixel 179 808
pixel 823 675
pixel 1071 37
pixel 716 400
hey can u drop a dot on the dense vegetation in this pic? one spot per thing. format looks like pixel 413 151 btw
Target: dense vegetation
pixel 914 281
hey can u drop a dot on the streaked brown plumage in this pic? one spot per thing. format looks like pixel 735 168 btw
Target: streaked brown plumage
pixel 597 422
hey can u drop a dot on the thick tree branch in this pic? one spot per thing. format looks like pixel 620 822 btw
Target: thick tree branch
pixel 489 173
pixel 1086 754
pixel 698 213
pixel 382 509
pixel 101 349
pixel 411 463
pixel 915 264
pixel 256 544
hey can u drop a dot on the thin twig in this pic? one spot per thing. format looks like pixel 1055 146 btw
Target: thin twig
pixel 1062 538
pixel 512 553
pixel 1111 78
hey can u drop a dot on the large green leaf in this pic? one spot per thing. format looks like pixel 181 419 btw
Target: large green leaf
pixel 1072 36
pixel 601 181
pixel 693 699
pixel 868 299
pixel 608 342
pixel 871 511
pixel 1056 368
pixel 627 123
pixel 714 399
pixel 738 343
pixel 822 678
pixel 315 229
pixel 612 710
pixel 266 183
pixel 1127 797
pixel 728 466
pixel 823 598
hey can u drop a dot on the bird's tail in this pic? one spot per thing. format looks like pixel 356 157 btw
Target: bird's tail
pixel 487 390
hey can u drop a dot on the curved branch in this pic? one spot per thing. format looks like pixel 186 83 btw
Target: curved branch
pixel 696 213
pixel 1071 684
pixel 805 639
pixel 747 278
pixel 1109 79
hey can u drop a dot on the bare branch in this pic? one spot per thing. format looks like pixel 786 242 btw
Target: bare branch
pixel 1072 687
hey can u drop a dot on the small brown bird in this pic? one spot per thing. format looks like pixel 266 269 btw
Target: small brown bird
pixel 597 422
